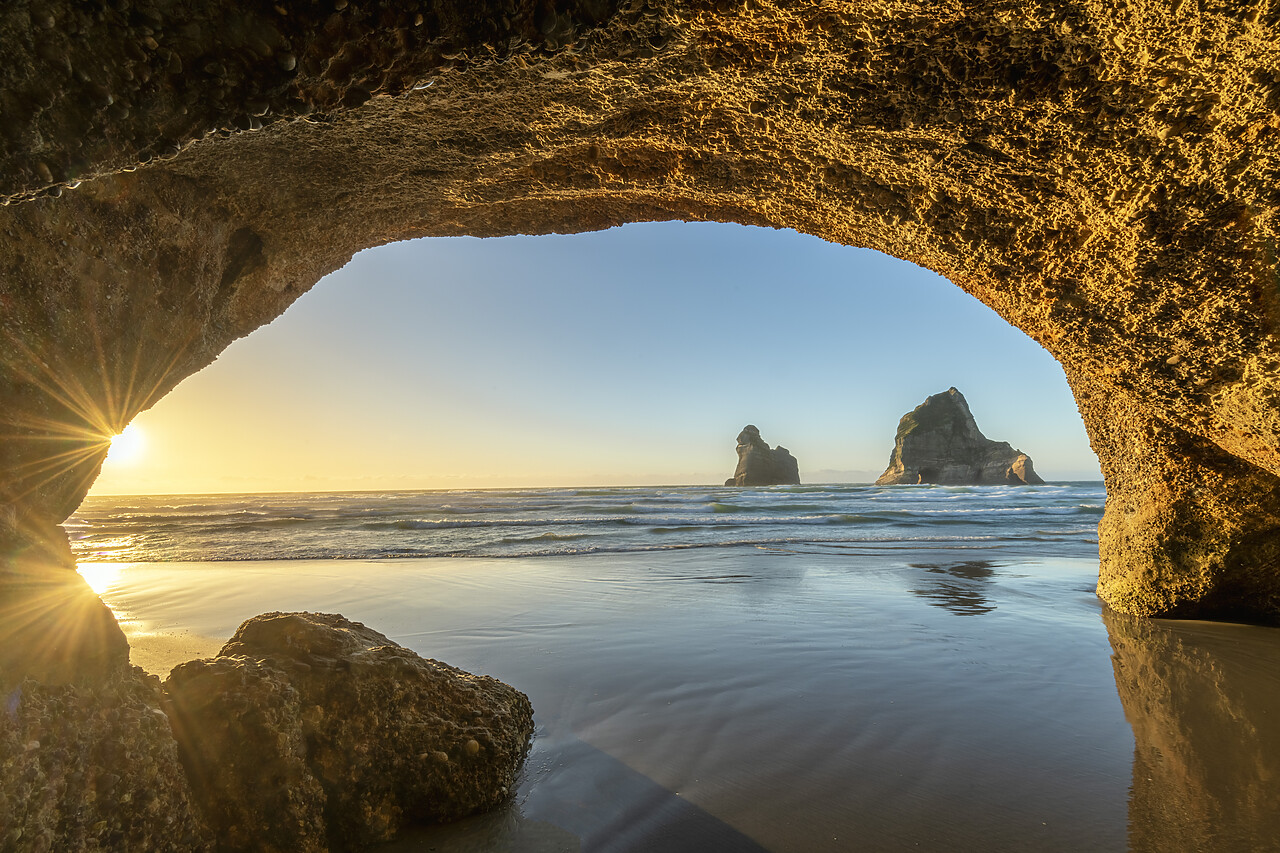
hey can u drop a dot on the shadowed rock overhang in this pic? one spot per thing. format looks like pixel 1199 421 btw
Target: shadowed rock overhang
pixel 1104 178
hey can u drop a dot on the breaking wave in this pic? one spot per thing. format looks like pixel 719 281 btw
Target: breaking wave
pixel 568 522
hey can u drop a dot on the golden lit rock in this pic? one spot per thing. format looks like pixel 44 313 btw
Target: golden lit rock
pixel 1103 179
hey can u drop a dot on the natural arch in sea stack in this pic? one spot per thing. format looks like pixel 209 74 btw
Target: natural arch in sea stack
pixel 1105 179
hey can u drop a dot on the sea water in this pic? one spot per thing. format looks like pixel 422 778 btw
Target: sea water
pixel 1060 519
pixel 790 669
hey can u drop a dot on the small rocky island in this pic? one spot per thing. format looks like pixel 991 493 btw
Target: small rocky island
pixel 939 442
pixel 758 465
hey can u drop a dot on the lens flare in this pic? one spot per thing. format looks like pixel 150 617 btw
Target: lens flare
pixel 100 576
pixel 127 447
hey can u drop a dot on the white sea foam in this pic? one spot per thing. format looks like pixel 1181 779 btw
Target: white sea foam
pixel 539 522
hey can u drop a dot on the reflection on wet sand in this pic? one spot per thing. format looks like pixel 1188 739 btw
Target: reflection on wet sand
pixel 961 589
pixel 591 801
pixel 1204 703
pixel 53 628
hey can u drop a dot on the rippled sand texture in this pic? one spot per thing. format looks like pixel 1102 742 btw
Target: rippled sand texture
pixel 746 700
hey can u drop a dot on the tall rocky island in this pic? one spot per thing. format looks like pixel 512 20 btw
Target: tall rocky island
pixel 758 465
pixel 939 442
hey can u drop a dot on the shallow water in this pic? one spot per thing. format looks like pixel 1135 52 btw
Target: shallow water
pixel 807 698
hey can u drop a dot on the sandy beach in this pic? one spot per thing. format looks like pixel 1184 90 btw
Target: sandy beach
pixel 744 699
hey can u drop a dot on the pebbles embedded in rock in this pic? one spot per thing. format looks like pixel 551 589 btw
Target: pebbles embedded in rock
pixel 92 767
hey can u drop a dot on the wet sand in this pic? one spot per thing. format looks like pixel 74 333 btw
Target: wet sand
pixel 820 700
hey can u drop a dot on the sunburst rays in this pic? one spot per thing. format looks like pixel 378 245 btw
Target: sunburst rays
pixel 55 628
pixel 78 408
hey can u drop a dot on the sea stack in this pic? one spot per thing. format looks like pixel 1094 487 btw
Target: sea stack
pixel 939 442
pixel 758 465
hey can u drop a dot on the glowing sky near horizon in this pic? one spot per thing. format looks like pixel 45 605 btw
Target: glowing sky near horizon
pixel 627 356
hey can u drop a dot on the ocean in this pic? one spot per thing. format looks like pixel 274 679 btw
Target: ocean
pixel 797 669
pixel 1061 518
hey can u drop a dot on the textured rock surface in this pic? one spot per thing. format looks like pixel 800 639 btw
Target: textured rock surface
pixel 94 767
pixel 87 758
pixel 1102 177
pixel 309 732
pixel 1188 528
pixel 939 442
pixel 760 465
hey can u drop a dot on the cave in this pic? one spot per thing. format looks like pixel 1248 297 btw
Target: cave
pixel 175 175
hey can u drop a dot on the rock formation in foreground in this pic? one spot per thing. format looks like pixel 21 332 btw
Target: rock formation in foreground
pixel 87 758
pixel 939 442
pixel 309 732
pixel 758 465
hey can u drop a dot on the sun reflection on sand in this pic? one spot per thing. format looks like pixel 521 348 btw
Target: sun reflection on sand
pixel 100 576
pixel 155 645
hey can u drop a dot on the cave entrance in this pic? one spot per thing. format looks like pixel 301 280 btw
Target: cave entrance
pixel 627 356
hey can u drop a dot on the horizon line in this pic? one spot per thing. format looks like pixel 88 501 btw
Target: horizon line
pixel 578 486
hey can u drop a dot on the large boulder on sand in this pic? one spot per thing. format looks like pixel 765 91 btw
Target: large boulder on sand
pixel 309 732
pixel 939 442
pixel 758 465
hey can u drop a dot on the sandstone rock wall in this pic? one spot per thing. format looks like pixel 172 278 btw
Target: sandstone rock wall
pixel 1103 177
pixel 94 767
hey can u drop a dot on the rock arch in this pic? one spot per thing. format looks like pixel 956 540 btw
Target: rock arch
pixel 177 173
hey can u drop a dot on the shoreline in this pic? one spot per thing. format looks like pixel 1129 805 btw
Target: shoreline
pixel 800 701
pixel 779 701
pixel 158 652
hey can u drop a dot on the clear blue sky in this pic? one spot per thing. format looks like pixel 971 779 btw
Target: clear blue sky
pixel 633 355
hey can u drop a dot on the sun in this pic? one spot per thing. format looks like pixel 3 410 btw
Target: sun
pixel 127 447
